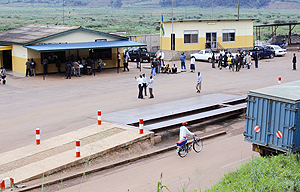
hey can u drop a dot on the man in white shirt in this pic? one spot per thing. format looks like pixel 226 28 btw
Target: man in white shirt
pixel 199 80
pixel 161 56
pixel 184 131
pixel 140 84
pixel 150 86
pixel 144 83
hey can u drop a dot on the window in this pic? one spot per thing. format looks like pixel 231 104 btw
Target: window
pixel 228 35
pixel 104 54
pixel 190 37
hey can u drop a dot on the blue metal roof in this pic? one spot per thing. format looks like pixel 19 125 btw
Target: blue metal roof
pixel 86 45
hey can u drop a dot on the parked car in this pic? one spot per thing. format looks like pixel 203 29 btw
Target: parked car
pixel 205 55
pixel 145 55
pixel 262 52
pixel 278 50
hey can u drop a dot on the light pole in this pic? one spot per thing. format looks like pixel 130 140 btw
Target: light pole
pixel 63 12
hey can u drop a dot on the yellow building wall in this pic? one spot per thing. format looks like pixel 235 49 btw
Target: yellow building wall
pixel 243 31
pixel 19 57
pixel 1 58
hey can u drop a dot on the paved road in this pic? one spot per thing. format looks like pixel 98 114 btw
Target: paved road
pixel 195 171
pixel 59 105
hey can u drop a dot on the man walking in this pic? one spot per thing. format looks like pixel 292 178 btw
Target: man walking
pixel 28 68
pixel 139 80
pixel 150 86
pixel 145 83
pixel 199 80
pixel 256 59
pixel 294 61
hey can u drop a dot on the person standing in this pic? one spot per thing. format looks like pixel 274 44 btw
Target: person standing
pixel 256 59
pixel 144 83
pixel 77 68
pixel 138 60
pixel 294 61
pixel 199 80
pixel 45 64
pixel 150 86
pixel 153 66
pixel 119 60
pixel 32 67
pixel 213 59
pixel 125 61
pixel 57 64
pixel 68 69
pixel 193 64
pixel 161 55
pixel 248 60
pixel 27 68
pixel 139 80
pixel 182 59
pixel 3 75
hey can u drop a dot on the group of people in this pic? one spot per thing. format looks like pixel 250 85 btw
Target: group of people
pixel 234 62
pixel 143 84
pixel 30 67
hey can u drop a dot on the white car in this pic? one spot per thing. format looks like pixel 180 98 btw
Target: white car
pixel 278 50
pixel 205 55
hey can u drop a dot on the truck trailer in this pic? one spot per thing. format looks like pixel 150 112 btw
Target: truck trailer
pixel 273 119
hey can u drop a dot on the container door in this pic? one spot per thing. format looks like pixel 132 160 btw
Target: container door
pixel 270 123
pixel 256 120
pixel 282 126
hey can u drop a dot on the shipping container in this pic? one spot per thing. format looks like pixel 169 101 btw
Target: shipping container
pixel 272 119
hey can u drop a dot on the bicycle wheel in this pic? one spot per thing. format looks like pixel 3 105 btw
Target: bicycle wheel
pixel 197 145
pixel 182 151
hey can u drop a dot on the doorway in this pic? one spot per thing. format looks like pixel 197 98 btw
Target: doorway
pixel 7 60
pixel 211 40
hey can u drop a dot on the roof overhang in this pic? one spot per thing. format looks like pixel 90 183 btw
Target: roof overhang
pixel 85 45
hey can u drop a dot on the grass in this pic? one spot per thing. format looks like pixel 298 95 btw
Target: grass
pixel 277 173
pixel 138 20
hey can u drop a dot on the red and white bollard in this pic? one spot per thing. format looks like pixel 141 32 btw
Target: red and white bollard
pixel 6 183
pixel 78 148
pixel 99 117
pixel 279 80
pixel 38 136
pixel 141 125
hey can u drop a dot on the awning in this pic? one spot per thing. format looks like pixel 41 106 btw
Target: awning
pixel 86 45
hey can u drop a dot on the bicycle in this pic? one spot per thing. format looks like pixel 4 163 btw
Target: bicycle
pixel 185 148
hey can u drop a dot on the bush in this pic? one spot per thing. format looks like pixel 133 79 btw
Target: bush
pixel 276 173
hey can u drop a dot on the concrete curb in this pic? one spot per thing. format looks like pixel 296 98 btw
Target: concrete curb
pixel 129 160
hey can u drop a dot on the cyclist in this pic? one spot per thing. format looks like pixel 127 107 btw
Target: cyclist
pixel 183 133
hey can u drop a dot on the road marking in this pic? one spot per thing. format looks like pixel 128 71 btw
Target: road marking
pixel 235 162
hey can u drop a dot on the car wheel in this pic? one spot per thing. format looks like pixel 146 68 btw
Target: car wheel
pixel 272 55
pixel 209 60
pixel 258 57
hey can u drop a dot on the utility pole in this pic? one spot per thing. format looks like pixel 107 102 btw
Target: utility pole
pixel 63 12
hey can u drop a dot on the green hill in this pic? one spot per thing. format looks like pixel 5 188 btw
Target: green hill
pixel 271 4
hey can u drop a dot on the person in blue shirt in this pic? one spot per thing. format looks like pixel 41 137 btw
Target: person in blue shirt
pixel 182 59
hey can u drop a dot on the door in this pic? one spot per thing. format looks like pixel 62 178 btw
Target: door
pixel 211 40
pixel 7 59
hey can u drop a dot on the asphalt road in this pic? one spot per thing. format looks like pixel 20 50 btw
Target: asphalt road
pixel 195 171
pixel 59 105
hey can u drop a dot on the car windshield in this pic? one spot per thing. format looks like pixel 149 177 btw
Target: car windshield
pixel 277 47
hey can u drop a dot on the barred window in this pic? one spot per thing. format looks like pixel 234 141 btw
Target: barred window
pixel 228 35
pixel 190 36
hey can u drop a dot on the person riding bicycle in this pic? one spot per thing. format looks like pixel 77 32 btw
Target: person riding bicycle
pixel 183 133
